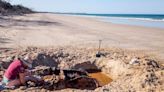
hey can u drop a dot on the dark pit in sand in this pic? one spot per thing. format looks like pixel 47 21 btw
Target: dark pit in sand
pixel 60 69
pixel 56 79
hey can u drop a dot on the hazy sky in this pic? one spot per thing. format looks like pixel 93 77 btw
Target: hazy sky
pixel 96 6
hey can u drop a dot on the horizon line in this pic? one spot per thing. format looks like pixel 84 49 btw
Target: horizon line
pixel 98 13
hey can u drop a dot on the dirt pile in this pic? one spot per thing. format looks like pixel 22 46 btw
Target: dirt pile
pixel 8 9
pixel 144 76
pixel 131 71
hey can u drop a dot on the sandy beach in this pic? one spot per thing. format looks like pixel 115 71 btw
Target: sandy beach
pixel 131 55
pixel 44 29
pixel 81 46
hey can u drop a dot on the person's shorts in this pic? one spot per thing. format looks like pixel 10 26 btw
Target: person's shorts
pixel 5 80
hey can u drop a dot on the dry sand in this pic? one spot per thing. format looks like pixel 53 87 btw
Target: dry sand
pixel 43 29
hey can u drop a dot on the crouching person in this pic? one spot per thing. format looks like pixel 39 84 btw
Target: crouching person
pixel 17 73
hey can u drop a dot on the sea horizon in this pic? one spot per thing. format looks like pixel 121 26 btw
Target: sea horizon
pixel 150 16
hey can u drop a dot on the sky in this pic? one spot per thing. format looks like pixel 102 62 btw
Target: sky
pixel 96 6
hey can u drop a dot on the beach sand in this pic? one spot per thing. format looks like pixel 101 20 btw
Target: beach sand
pixel 45 29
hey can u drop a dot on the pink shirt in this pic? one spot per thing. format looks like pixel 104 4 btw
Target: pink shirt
pixel 14 69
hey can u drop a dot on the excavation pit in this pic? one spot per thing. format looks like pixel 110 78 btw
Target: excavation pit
pixel 56 79
pixel 77 72
pixel 79 69
pixel 94 72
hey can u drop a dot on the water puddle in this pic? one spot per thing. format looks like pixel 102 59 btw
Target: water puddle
pixel 101 78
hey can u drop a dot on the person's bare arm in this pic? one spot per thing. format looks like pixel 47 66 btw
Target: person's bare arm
pixel 22 78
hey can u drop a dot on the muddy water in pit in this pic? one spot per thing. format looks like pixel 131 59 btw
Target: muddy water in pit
pixel 101 78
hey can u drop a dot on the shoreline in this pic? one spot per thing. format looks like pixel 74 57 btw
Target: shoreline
pixel 139 22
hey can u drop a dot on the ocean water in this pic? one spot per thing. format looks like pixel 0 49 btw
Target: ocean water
pixel 147 20
pixel 139 16
pixel 136 22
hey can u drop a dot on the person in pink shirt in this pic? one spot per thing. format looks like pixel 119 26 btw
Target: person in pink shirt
pixel 17 73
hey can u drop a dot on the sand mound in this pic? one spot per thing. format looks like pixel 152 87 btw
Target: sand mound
pixel 146 76
pixel 130 70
